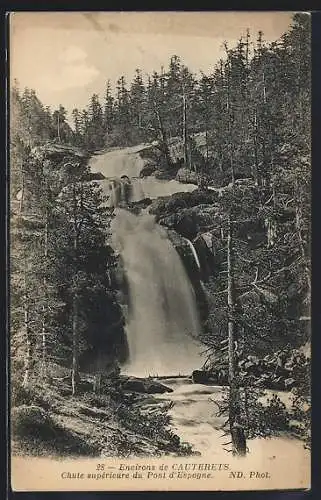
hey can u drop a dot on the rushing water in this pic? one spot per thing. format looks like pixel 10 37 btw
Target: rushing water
pixel 127 161
pixel 162 325
pixel 194 419
pixel 163 321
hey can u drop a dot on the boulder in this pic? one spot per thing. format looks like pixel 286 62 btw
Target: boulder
pixel 157 388
pixel 166 205
pixel 148 170
pixel 205 377
pixel 186 176
pixel 134 385
pixel 144 203
pixel 164 175
pixel 60 151
pixel 277 384
pixel 95 176
pixel 200 377
pixel 289 383
pixel 144 386
pixel 183 223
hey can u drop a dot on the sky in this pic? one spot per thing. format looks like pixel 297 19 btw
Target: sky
pixel 67 56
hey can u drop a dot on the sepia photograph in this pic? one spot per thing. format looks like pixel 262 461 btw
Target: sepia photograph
pixel 160 227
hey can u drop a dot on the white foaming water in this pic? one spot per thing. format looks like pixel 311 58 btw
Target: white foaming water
pixel 163 318
pixel 195 420
pixel 147 187
pixel 163 323
pixel 197 261
pixel 127 161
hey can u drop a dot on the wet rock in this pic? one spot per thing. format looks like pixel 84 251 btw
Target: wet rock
pixel 204 377
pixel 184 223
pixel 144 203
pixel 145 386
pixel 206 258
pixel 85 386
pixel 134 385
pixel 157 388
pixel 184 250
pixel 148 170
pixel 95 176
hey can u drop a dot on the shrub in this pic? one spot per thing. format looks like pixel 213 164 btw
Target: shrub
pixel 32 421
pixel 267 419
pixel 37 433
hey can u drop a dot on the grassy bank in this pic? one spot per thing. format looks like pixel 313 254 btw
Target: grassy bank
pixel 47 420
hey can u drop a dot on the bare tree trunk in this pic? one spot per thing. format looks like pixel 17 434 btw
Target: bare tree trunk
pixel 228 106
pixel 237 431
pixel 58 127
pixel 232 165
pixel 206 143
pixel 21 206
pixel 75 309
pixel 302 247
pixel 185 138
pixel 163 135
pixel 75 345
pixel 44 309
pixel 97 382
pixel 27 360
pixel 255 172
pixel 230 303
pixel 247 47
pixel 264 87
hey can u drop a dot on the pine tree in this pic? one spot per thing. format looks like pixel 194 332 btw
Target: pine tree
pixel 123 118
pixel 62 129
pixel 96 132
pixel 76 116
pixel 137 102
pixel 108 110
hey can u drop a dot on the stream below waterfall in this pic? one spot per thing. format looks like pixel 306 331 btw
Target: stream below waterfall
pixel 194 418
pixel 193 413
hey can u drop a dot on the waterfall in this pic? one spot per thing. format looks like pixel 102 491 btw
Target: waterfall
pixel 122 191
pixel 137 193
pixel 113 193
pixel 194 253
pixel 163 323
